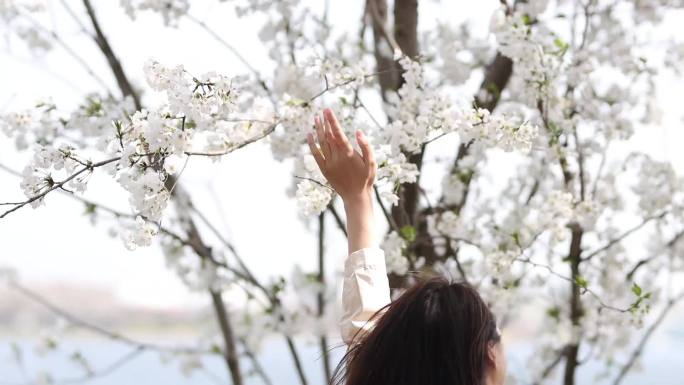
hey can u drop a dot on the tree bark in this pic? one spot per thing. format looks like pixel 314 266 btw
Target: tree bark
pixel 406 26
pixel 385 65
pixel 114 63
pixel 497 75
pixel 323 342
pixel 177 194
pixel 230 354
pixel 576 311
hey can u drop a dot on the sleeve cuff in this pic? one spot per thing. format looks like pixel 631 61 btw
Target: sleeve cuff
pixel 368 258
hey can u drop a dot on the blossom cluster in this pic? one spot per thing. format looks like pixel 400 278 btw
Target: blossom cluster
pixel 140 150
pixel 394 246
pixel 586 85
pixel 18 16
pixel 170 10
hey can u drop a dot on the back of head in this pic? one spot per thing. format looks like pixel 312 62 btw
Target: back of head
pixel 436 333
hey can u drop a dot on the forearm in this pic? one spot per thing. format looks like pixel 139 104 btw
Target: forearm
pixel 366 289
pixel 359 213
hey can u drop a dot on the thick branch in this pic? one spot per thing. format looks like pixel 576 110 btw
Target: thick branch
pixel 576 311
pixel 320 298
pixel 114 63
pixel 381 38
pixel 497 75
pixel 230 353
pixel 406 26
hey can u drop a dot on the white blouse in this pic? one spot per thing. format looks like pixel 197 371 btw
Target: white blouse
pixel 365 290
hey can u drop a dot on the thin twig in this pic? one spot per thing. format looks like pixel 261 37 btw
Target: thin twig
pixel 390 220
pixel 235 52
pixel 624 235
pixel 120 362
pixel 58 185
pixel 644 339
pixel 314 181
pixel 340 223
pixel 297 361
pixel 70 51
pixel 584 289
pixel 238 146
pixel 256 365
pixel 76 321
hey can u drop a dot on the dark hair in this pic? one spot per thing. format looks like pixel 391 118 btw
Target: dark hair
pixel 436 333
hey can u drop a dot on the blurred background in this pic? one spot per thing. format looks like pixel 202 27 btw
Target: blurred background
pixel 88 273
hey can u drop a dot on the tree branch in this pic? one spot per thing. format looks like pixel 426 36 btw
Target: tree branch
pixel 230 354
pixel 114 63
pixel 622 236
pixel 115 336
pixel 59 185
pixel 645 338
pixel 237 54
pixel 576 310
pixel 70 51
pixel 256 366
pixel 297 362
pixel 320 299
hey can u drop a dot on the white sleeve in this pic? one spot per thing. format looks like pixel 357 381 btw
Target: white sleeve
pixel 365 290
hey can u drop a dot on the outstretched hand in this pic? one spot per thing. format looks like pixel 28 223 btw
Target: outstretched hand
pixel 349 172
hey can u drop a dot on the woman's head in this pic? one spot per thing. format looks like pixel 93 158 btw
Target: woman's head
pixel 437 332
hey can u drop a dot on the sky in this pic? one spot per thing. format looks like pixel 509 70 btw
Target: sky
pixel 243 195
pixel 55 242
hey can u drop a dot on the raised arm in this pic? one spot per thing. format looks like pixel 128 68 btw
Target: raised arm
pixel 351 174
pixel 365 288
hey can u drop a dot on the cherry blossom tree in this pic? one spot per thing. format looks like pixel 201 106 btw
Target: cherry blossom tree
pixel 550 91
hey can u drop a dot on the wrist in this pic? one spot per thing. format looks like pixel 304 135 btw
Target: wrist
pixel 360 201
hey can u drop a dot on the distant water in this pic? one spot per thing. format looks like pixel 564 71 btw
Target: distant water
pixel 663 362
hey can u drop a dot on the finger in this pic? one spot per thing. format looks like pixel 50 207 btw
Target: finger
pixel 366 150
pixel 320 133
pixel 336 129
pixel 315 151
pixel 328 133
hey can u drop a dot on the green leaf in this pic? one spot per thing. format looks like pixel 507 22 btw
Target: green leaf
pixel 562 46
pixel 89 208
pixel 554 313
pixel 493 89
pixel 295 102
pixel 408 232
pixel 581 282
pixel 311 277
pixel 94 108
pixel 526 19
pixel 216 349
pixel 465 175
pixel 516 238
pixel 636 290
